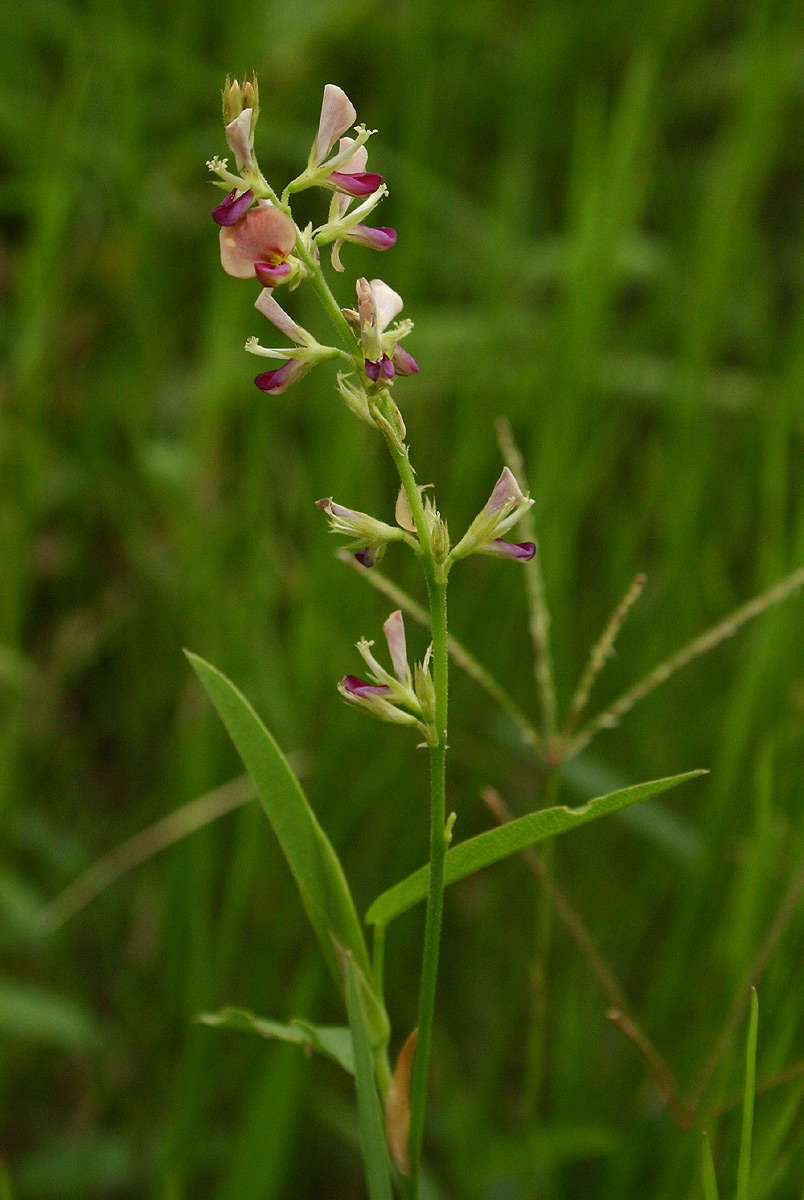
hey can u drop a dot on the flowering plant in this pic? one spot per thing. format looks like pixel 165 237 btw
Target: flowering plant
pixel 260 239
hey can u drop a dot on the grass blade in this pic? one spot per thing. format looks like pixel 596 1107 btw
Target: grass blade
pixel 497 844
pixel 372 1127
pixel 708 1176
pixel 744 1164
pixel 309 853
pixel 333 1041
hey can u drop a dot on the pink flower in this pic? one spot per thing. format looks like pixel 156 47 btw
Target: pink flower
pixel 264 235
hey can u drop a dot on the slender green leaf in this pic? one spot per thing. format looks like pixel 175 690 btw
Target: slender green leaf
pixel 309 853
pixel 34 1014
pixel 744 1163
pixel 372 1126
pixel 708 1169
pixel 475 853
pixel 334 1041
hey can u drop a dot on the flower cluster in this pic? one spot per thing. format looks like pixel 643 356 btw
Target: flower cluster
pixel 260 240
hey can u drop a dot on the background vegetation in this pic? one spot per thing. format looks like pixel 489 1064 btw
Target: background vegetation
pixel 600 235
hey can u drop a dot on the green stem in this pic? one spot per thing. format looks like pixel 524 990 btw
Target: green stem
pixel 437 591
pixel 435 895
pixel 435 576
pixel 328 301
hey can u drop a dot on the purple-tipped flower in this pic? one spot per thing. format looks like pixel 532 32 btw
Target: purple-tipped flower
pixel 404 363
pixel 264 235
pixel 387 696
pixel 377 304
pixel 369 536
pixel 362 183
pixel 504 507
pixel 278 381
pixel 230 210
pixel 376 237
pixel 359 687
pixel 521 551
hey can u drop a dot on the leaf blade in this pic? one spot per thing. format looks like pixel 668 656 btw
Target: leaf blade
pixel 309 853
pixel 496 844
pixel 333 1041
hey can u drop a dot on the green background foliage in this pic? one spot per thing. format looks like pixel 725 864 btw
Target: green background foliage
pixel 599 209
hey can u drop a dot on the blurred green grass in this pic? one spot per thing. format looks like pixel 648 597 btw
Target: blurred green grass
pixel 600 235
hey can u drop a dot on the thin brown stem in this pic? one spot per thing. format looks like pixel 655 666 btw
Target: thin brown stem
pixel 620 1011
pixel 142 846
pixel 694 649
pixel 601 652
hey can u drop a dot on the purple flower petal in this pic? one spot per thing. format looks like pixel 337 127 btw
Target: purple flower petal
pixel 359 687
pixel 272 274
pixel 380 237
pixel 276 382
pixel 405 363
pixel 372 370
pixel 362 183
pixel 367 557
pixel 230 210
pixel 387 367
pixel 523 551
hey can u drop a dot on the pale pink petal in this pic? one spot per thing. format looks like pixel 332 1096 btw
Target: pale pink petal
pixel 337 115
pixel 238 135
pixel 264 234
pixel 357 162
pixel 394 630
pixel 506 488
pixel 387 302
pixel 269 308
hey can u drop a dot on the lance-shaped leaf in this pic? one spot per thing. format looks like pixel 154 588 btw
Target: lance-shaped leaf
pixel 333 1041
pixel 496 844
pixel 372 1128
pixel 309 853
